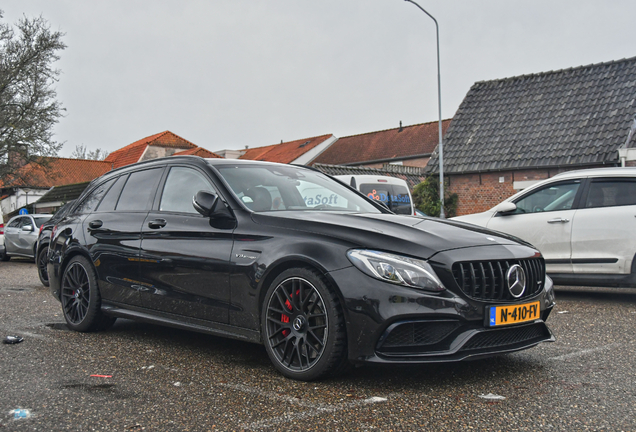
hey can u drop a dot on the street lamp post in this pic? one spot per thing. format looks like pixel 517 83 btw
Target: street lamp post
pixel 439 102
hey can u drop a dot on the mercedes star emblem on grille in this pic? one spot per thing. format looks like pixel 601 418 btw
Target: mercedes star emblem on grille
pixel 516 278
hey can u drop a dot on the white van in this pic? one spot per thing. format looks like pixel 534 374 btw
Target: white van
pixel 393 192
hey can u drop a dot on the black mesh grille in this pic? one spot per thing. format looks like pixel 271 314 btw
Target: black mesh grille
pixel 418 334
pixel 486 280
pixel 506 336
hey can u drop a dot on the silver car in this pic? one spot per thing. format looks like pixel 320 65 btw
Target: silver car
pixel 21 235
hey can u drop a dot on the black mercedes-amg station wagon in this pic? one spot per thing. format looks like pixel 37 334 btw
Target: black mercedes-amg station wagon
pixel 289 257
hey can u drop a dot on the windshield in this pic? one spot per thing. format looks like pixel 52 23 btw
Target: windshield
pixel 280 187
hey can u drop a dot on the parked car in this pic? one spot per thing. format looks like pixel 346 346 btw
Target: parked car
pixel 21 235
pixel 391 191
pixel 583 222
pixel 199 244
pixel 42 248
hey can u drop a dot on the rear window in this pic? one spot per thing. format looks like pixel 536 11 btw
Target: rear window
pixel 92 200
pixel 396 197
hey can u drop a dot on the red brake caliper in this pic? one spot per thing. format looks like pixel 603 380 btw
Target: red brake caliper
pixel 284 318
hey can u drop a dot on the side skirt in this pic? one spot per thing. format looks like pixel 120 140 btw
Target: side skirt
pixel 184 323
pixel 598 280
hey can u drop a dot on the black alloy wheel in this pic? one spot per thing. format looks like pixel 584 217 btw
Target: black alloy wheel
pixel 41 261
pixel 303 325
pixel 80 297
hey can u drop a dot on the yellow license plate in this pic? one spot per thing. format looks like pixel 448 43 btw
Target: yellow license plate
pixel 512 314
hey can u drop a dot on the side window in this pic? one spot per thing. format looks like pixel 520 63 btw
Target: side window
pixel 91 201
pixel 141 185
pixel 610 193
pixel 110 200
pixel 15 223
pixel 551 198
pixel 181 186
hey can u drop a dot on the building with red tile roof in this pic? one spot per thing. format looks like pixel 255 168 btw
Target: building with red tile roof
pixel 29 182
pixel 300 152
pixel 33 180
pixel 408 145
pixel 198 151
pixel 155 146
pixel 54 171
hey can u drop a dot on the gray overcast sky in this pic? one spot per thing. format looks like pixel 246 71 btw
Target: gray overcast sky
pixel 231 73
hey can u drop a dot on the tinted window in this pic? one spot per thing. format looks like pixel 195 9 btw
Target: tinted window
pixel 396 197
pixel 141 185
pixel 609 193
pixel 551 198
pixel 91 201
pixel 181 186
pixel 110 200
pixel 15 223
pixel 400 200
pixel 378 192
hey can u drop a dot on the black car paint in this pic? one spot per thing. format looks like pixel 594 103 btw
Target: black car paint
pixel 162 274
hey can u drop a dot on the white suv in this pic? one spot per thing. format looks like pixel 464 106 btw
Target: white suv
pixel 583 222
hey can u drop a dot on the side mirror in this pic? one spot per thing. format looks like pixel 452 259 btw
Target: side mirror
pixel 28 228
pixel 204 202
pixel 208 204
pixel 505 207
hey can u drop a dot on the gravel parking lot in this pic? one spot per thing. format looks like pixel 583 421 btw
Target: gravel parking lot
pixel 141 377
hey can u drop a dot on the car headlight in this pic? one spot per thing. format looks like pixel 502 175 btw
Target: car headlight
pixel 396 269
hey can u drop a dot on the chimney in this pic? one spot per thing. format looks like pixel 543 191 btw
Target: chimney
pixel 400 126
pixel 17 155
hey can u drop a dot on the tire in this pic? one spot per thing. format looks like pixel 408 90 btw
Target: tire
pixel 81 300
pixel 41 261
pixel 303 326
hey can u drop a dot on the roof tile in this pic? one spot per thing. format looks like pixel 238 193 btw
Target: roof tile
pixel 133 152
pixel 57 172
pixel 285 152
pixel 398 143
pixel 575 116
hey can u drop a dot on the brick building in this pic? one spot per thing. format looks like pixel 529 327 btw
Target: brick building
pixel 510 133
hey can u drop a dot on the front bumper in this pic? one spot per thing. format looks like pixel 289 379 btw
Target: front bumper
pixel 389 323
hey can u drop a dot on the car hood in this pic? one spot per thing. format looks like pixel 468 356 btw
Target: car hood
pixel 415 236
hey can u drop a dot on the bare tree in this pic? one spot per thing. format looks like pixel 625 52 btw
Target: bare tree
pixel 28 105
pixel 81 152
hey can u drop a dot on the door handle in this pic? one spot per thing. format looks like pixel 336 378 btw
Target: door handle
pixel 157 223
pixel 559 220
pixel 95 224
